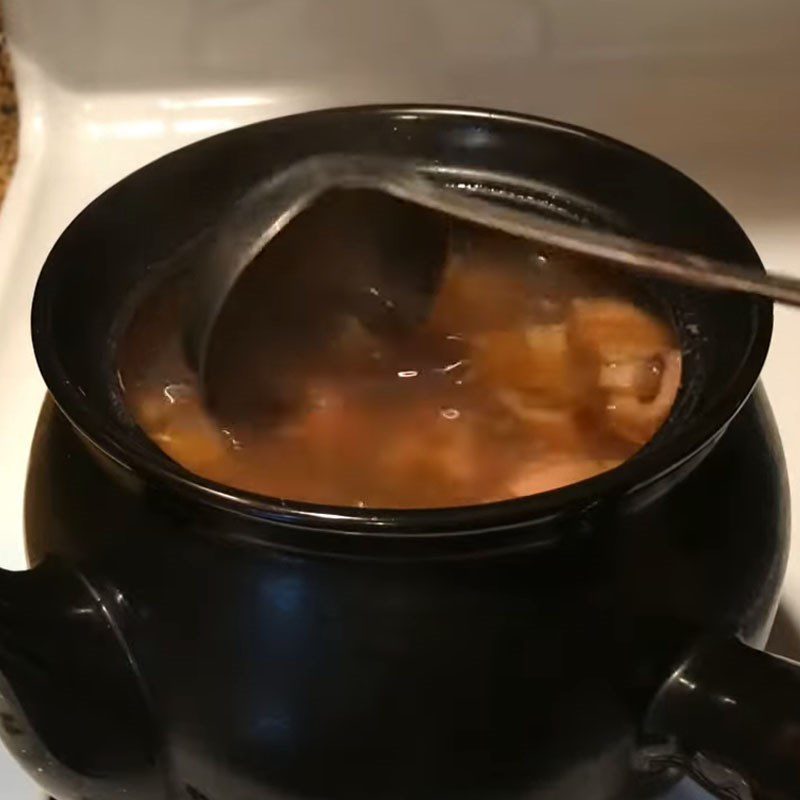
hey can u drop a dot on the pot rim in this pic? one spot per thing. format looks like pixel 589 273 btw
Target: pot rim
pixel 650 465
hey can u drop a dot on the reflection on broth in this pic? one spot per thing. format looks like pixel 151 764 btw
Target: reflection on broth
pixel 528 375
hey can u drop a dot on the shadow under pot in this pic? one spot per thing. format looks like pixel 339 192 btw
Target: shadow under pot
pixel 176 638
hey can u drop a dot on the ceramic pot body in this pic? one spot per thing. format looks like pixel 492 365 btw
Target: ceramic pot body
pixel 217 646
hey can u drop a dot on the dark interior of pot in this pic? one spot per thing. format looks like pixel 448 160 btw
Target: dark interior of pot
pixel 124 242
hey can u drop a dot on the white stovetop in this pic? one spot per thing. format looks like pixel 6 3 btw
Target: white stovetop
pixel 709 85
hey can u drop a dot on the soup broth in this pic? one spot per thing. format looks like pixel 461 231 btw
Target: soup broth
pixel 530 373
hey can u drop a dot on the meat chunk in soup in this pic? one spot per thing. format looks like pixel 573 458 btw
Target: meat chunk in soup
pixel 636 415
pixel 535 360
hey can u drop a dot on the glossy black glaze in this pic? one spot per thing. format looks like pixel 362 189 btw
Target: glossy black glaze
pixel 281 651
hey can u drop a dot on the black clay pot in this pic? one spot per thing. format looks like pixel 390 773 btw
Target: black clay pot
pixel 177 639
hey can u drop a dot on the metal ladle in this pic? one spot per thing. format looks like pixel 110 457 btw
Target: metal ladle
pixel 393 239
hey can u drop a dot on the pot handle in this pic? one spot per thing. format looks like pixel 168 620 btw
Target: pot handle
pixel 731 714
pixel 71 706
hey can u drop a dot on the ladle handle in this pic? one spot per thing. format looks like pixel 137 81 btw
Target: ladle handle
pixel 732 715
pixel 654 259
pixel 226 250
pixel 407 181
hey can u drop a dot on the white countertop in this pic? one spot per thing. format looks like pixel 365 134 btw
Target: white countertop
pixel 106 87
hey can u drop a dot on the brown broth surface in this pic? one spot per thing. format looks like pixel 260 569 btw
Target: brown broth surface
pixel 527 376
